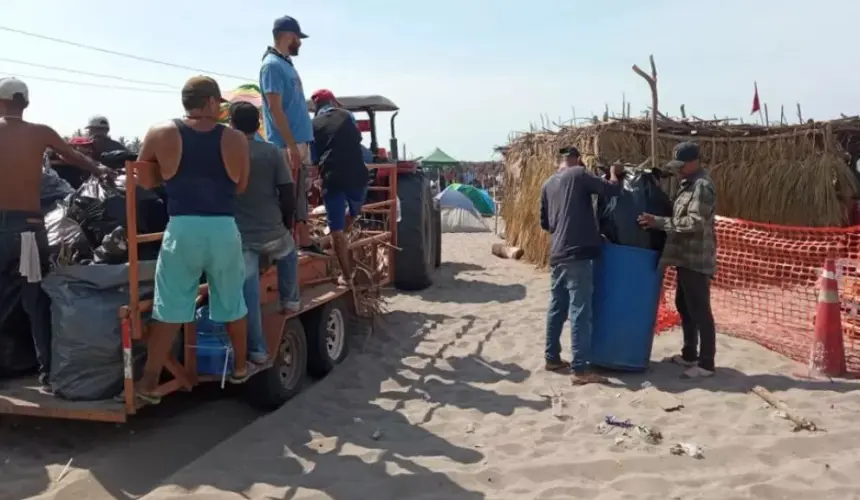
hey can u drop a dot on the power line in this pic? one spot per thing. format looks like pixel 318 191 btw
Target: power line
pixel 120 54
pixel 86 73
pixel 88 84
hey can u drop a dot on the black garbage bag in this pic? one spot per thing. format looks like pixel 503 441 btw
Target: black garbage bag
pixel 53 187
pixel 116 159
pixel 114 248
pixel 67 242
pixel 99 205
pixel 617 216
pixel 73 175
pixel 87 358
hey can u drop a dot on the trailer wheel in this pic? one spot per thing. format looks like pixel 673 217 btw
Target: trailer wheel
pixel 270 389
pixel 414 262
pixel 327 342
pixel 437 233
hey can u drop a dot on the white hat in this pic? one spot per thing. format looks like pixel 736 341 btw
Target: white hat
pixel 98 121
pixel 10 87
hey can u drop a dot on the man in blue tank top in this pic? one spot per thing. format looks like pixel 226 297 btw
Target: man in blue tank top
pixel 203 165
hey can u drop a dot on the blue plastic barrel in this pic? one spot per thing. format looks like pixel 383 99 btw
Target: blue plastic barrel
pixel 626 296
pixel 214 350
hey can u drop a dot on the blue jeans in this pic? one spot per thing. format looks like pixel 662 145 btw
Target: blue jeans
pixel 288 290
pixel 571 287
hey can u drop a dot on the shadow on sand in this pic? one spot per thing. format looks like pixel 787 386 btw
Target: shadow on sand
pixel 665 376
pixel 451 287
pixel 150 447
pixel 371 436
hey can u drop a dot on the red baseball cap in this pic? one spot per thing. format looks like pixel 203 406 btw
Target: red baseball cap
pixel 80 141
pixel 323 95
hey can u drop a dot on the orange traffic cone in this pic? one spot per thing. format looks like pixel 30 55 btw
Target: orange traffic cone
pixel 827 356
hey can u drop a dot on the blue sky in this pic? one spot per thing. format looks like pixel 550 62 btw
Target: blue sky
pixel 466 73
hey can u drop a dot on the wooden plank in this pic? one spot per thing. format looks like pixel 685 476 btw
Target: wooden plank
pixel 21 396
pixel 311 299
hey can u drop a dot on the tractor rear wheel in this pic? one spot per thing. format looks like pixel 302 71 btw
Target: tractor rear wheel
pixel 415 262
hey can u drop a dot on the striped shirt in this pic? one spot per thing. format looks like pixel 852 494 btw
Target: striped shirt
pixel 691 241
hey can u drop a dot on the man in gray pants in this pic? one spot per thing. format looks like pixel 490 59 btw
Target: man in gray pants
pixel 691 247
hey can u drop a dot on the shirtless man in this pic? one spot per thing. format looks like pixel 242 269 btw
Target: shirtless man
pixel 203 166
pixel 23 145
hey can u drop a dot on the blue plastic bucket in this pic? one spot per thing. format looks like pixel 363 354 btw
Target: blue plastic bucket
pixel 626 296
pixel 213 348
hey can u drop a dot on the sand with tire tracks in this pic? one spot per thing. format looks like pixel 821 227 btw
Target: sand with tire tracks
pixel 447 400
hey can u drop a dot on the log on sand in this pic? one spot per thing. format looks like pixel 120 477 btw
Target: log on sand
pixel 505 252
pixel 800 423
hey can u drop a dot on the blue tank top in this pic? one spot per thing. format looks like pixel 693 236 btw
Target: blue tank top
pixel 201 185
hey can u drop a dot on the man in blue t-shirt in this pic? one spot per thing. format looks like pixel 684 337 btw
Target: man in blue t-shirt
pixel 285 115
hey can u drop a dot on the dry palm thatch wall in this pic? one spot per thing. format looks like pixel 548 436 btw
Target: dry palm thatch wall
pixel 789 175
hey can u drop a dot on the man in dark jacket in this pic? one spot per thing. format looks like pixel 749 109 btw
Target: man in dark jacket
pixel 343 174
pixel 567 213
pixel 98 129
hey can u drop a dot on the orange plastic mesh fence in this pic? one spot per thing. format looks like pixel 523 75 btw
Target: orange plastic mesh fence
pixel 766 286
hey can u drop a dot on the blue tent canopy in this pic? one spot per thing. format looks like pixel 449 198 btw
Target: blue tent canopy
pixel 451 198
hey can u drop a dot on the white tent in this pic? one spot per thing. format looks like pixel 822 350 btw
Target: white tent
pixel 459 215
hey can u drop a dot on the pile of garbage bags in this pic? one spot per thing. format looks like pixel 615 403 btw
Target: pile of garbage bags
pixel 641 193
pixel 86 229
pixel 89 225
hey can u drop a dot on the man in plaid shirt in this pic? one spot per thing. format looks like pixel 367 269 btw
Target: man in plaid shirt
pixel 691 247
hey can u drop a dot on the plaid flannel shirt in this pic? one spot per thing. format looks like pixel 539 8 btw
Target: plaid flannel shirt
pixel 690 238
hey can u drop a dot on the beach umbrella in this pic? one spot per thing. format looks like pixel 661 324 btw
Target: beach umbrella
pixel 481 199
pixel 244 93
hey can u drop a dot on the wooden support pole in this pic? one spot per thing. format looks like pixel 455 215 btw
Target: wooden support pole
pixel 652 83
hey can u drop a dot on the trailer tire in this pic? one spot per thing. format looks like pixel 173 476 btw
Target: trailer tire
pixel 414 262
pixel 437 233
pixel 270 389
pixel 328 345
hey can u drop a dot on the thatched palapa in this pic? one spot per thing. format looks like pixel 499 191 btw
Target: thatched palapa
pixel 789 175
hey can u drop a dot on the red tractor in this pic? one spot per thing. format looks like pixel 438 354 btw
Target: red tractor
pixel 419 228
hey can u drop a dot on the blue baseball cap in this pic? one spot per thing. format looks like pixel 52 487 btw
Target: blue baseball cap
pixel 683 153
pixel 287 24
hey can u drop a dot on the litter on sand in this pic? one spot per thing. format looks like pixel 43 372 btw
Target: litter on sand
pixel 649 434
pixel 611 420
pixel 688 449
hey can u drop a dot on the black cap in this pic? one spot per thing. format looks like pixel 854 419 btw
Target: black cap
pixel 201 87
pixel 287 24
pixel 569 151
pixel 683 153
pixel 245 117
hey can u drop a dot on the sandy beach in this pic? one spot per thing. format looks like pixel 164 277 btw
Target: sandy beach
pixel 447 400
pixel 113 461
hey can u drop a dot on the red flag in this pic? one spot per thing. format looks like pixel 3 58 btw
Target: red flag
pixel 756 104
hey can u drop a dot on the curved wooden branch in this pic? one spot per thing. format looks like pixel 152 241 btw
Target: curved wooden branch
pixel 655 110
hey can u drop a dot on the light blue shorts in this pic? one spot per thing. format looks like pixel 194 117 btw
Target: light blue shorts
pixel 193 246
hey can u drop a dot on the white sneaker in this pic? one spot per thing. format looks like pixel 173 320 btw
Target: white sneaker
pixel 697 372
pixel 679 360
